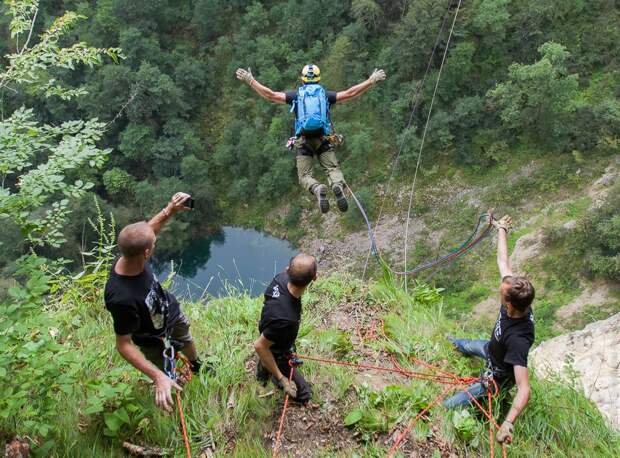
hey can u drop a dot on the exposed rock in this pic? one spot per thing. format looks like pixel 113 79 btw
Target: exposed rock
pixel 597 294
pixel 600 188
pixel 528 246
pixel 593 354
pixel 488 308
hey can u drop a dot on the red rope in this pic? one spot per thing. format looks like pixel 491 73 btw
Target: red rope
pixel 439 378
pixel 276 446
pixel 414 420
pixel 187 374
pixel 184 426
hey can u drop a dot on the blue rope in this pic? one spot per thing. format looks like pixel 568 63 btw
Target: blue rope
pixel 467 245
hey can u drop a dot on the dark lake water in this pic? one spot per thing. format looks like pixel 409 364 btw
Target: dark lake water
pixel 243 259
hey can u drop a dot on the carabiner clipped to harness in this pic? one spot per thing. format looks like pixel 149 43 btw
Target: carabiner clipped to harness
pixel 170 365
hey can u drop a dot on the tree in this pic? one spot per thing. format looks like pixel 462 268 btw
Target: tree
pixel 38 162
pixel 537 98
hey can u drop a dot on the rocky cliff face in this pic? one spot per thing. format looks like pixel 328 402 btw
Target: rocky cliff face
pixel 592 356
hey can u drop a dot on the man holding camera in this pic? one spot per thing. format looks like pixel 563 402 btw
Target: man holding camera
pixel 145 315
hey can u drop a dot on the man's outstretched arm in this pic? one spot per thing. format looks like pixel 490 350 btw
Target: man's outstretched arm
pixel 503 261
pixel 359 89
pixel 262 90
pixel 521 399
pixel 175 205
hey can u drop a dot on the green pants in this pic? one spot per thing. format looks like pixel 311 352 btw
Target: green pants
pixel 305 160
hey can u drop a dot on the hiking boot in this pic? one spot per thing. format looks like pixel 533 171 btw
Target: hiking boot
pixel 320 191
pixel 341 200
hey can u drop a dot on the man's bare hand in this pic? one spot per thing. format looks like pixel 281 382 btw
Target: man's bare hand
pixel 504 435
pixel 377 75
pixel 177 203
pixel 245 75
pixel 503 223
pixel 289 387
pixel 163 392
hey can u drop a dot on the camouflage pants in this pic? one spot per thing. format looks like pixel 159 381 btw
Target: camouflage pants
pixel 326 156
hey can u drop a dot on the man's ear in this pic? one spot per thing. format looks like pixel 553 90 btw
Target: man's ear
pixel 316 275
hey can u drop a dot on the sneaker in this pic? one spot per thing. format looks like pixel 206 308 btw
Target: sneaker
pixel 320 191
pixel 341 200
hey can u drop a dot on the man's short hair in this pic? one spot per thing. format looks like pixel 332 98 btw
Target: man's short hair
pixel 302 270
pixel 135 238
pixel 520 292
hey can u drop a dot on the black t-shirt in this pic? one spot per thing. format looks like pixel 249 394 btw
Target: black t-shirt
pixel 510 342
pixel 291 96
pixel 138 306
pixel 279 321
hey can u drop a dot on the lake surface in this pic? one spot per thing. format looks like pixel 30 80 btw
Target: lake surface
pixel 234 258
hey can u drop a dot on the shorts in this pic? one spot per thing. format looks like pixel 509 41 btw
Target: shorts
pixel 181 336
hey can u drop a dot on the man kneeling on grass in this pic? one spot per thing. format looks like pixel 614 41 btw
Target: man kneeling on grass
pixel 506 352
pixel 143 312
pixel 279 325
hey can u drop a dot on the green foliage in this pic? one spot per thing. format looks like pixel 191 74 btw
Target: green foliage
pixel 39 162
pixel 536 100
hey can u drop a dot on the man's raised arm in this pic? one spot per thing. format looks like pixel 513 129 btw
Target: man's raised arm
pixel 503 261
pixel 359 89
pixel 262 90
pixel 176 204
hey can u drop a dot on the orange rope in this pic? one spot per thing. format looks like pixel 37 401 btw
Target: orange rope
pixel 184 426
pixel 187 374
pixel 414 420
pixel 276 446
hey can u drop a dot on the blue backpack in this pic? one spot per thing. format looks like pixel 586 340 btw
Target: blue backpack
pixel 312 111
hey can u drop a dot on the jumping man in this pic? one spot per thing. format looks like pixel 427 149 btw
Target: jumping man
pixel 313 128
pixel 506 352
pixel 279 325
pixel 143 312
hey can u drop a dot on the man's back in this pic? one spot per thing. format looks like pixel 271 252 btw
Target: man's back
pixel 281 314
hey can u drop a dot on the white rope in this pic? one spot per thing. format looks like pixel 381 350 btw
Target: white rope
pixel 416 100
pixel 428 118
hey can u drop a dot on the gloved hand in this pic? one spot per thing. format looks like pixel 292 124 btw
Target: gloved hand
pixel 505 222
pixel 504 435
pixel 377 75
pixel 245 75
pixel 288 386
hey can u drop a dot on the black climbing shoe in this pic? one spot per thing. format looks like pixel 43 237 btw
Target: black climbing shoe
pixel 320 191
pixel 341 200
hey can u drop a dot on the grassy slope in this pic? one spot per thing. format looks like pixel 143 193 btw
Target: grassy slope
pixel 558 421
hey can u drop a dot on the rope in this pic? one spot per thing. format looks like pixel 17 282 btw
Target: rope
pixel 473 240
pixel 183 426
pixel 281 427
pixel 414 420
pixel 442 377
pixel 428 118
pixel 416 100
pixel 187 374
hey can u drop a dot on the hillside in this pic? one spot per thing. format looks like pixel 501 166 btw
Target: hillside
pixel 108 107
pixel 71 395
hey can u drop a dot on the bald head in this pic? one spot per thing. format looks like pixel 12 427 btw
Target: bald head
pixel 302 270
pixel 135 239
